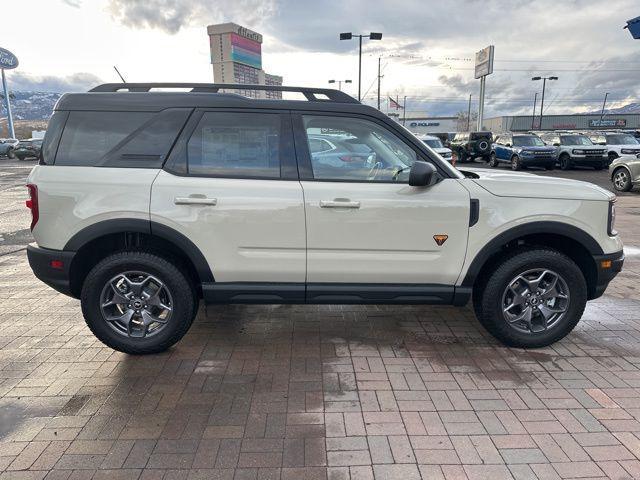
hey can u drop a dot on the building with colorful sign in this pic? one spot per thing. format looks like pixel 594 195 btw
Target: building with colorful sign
pixel 236 56
pixel 577 121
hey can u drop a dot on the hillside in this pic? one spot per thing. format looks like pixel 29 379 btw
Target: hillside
pixel 31 105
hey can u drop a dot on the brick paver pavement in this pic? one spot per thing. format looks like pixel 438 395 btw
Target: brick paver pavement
pixel 316 392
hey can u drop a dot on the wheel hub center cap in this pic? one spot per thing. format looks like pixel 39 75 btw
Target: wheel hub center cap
pixel 534 301
pixel 137 304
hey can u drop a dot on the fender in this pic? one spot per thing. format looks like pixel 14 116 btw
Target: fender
pixel 121 225
pixel 544 227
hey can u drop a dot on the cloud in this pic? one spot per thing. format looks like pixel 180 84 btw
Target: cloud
pixel 173 15
pixel 73 3
pixel 78 82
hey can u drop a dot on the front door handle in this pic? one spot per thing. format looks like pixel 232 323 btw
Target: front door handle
pixel 195 200
pixel 339 203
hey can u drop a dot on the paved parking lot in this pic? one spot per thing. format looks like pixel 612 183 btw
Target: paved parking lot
pixel 308 392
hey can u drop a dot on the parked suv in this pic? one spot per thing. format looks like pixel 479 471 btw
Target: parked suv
pixel 471 145
pixel 28 148
pixel 576 149
pixel 618 144
pixel 436 145
pixel 144 202
pixel 7 145
pixel 625 172
pixel 521 151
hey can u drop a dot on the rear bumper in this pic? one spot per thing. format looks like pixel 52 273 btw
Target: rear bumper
pixel 605 274
pixel 55 275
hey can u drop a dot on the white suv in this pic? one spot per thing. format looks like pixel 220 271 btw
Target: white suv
pixel 144 202
pixel 437 146
pixel 619 144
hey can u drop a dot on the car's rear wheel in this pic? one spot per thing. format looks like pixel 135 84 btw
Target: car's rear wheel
pixel 532 298
pixel 462 156
pixel 565 161
pixel 516 164
pixel 493 160
pixel 621 179
pixel 138 302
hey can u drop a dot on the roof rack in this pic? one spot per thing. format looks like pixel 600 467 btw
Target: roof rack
pixel 311 94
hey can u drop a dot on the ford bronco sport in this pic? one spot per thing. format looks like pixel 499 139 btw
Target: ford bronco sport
pixel 146 201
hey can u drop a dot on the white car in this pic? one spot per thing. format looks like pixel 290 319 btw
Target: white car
pixel 437 146
pixel 618 144
pixel 145 202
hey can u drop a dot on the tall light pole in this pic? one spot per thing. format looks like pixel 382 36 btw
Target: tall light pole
pixel 544 84
pixel 469 114
pixel 339 82
pixel 371 36
pixel 604 104
pixel 533 114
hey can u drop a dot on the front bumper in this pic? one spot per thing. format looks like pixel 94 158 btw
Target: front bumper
pixel 52 267
pixel 538 160
pixel 604 273
pixel 589 160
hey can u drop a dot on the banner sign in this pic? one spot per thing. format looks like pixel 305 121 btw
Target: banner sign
pixel 608 123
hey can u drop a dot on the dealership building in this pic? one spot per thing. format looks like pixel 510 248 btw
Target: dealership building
pixel 236 56
pixel 523 123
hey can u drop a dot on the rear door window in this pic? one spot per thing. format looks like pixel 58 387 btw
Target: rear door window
pixel 237 145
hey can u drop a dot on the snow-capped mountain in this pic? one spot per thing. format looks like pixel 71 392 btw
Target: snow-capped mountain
pixel 629 108
pixel 31 105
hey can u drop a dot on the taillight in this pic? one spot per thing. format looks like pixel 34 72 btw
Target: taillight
pixel 32 204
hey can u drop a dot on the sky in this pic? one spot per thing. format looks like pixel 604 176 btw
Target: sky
pixel 427 49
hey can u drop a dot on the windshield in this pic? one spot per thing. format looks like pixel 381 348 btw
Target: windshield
pixel 575 140
pixel 621 140
pixel 527 141
pixel 435 143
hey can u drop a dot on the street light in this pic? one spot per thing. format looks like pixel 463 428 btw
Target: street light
pixel 371 36
pixel 544 84
pixel 339 82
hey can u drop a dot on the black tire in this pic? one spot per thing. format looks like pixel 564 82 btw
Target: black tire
pixel 621 179
pixel 565 161
pixel 462 156
pixel 184 301
pixel 11 154
pixel 488 296
pixel 493 160
pixel 516 164
pixel 612 156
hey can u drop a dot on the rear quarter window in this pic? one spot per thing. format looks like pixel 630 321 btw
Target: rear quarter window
pixel 52 137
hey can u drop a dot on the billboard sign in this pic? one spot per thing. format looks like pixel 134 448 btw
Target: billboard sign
pixel 7 60
pixel 484 62
pixel 246 50
pixel 612 123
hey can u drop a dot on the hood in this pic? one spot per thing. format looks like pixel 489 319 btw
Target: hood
pixel 442 150
pixel 528 185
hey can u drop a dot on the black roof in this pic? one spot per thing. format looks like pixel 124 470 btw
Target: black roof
pixel 139 97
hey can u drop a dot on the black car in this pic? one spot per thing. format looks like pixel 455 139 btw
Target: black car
pixel 28 148
pixel 471 145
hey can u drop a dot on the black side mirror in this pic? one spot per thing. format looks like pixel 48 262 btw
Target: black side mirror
pixel 422 174
pixel 507 145
pixel 556 144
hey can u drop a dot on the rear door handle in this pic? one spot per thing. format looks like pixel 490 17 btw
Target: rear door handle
pixel 195 200
pixel 339 204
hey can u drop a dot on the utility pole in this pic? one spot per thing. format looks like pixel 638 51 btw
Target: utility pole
pixel 481 103
pixel 7 105
pixel 404 109
pixel 533 115
pixel 469 114
pixel 379 77
pixel 604 104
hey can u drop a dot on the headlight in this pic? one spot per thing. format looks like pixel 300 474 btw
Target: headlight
pixel 629 151
pixel 611 223
pixel 578 151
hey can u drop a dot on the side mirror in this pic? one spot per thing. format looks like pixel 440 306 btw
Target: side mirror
pixel 556 144
pixel 507 145
pixel 422 174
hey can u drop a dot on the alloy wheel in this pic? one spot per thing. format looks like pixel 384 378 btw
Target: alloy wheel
pixel 621 180
pixel 535 300
pixel 136 304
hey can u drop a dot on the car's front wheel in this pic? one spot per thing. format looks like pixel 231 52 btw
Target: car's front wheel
pixel 532 298
pixel 516 164
pixel 565 161
pixel 493 160
pixel 621 179
pixel 11 154
pixel 138 302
